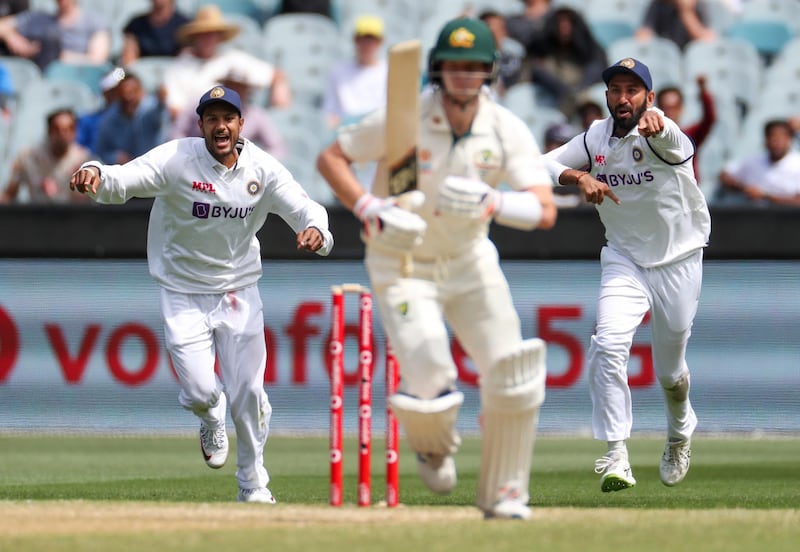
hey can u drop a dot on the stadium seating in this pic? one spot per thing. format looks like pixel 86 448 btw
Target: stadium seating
pixel 630 11
pixel 767 37
pixel 304 46
pixel 88 74
pixel 719 15
pixel 23 71
pixel 607 31
pixel 732 67
pixel 785 11
pixel 150 70
pixel 40 99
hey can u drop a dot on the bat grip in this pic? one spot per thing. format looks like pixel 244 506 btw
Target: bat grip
pixel 407 266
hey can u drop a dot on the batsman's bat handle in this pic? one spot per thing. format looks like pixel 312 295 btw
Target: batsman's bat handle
pixel 407 267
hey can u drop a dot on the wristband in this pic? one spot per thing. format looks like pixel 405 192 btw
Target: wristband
pixel 520 210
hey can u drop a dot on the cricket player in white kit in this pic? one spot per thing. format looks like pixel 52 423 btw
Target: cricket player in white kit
pixel 468 145
pixel 212 195
pixel 635 166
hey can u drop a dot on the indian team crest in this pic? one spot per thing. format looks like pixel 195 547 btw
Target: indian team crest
pixel 217 92
pixel 253 187
pixel 627 63
pixel 637 154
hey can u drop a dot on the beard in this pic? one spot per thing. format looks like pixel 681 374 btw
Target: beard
pixel 627 123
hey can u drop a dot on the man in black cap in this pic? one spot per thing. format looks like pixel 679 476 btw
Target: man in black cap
pixel 212 195
pixel 657 224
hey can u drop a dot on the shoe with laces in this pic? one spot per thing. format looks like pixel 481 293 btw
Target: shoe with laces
pixel 259 495
pixel 214 445
pixel 437 472
pixel 675 462
pixel 616 472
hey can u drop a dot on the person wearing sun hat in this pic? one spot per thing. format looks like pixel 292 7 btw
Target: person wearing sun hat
pixel 202 63
pixel 358 85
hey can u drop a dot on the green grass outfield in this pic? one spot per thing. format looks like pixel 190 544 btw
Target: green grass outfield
pixel 110 494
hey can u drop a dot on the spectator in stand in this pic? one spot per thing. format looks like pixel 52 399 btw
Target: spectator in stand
pixel 88 122
pixel 527 26
pixel 153 33
pixel 7 90
pixel 71 35
pixel 256 123
pixel 680 21
pixel 588 111
pixel 570 60
pixel 202 64
pixel 358 86
pixel 133 125
pixel 43 171
pixel 10 7
pixel 769 177
pixel 510 52
pixel 320 7
pixel 670 101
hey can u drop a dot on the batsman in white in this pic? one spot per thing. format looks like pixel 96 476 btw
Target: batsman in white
pixel 468 145
pixel 212 195
pixel 635 166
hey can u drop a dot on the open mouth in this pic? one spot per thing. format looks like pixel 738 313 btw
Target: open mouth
pixel 222 140
pixel 624 112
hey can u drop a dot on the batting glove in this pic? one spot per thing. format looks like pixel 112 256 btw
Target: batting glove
pixel 465 197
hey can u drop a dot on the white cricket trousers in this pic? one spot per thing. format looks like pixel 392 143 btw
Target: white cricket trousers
pixel 627 291
pixel 468 294
pixel 229 328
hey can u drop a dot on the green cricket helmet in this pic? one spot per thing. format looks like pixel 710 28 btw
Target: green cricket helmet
pixel 462 39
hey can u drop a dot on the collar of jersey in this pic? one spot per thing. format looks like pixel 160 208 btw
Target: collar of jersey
pixel 437 119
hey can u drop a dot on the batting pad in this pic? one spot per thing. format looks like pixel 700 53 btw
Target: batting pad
pixel 429 424
pixel 511 394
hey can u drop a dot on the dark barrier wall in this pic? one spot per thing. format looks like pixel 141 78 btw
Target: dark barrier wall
pixel 100 231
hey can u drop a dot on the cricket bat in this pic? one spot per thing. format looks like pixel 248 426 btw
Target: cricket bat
pixel 402 122
pixel 402 116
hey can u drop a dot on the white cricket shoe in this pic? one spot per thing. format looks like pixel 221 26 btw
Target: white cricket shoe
pixel 437 472
pixel 616 472
pixel 259 495
pixel 214 445
pixel 508 509
pixel 675 462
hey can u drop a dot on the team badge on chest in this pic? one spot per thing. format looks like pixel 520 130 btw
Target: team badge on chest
pixel 253 187
pixel 638 155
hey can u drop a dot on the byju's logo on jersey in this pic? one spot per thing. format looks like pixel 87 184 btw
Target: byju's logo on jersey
pixel 205 187
pixel 206 210
pixel 201 210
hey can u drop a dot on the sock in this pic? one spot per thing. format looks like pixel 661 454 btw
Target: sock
pixel 618 447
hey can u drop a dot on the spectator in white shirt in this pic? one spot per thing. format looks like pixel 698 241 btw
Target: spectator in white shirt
pixel 769 177
pixel 358 86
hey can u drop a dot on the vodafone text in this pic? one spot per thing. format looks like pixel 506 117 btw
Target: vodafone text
pixel 304 341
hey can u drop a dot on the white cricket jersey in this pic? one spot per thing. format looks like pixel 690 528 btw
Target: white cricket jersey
pixel 201 237
pixel 498 149
pixel 663 215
